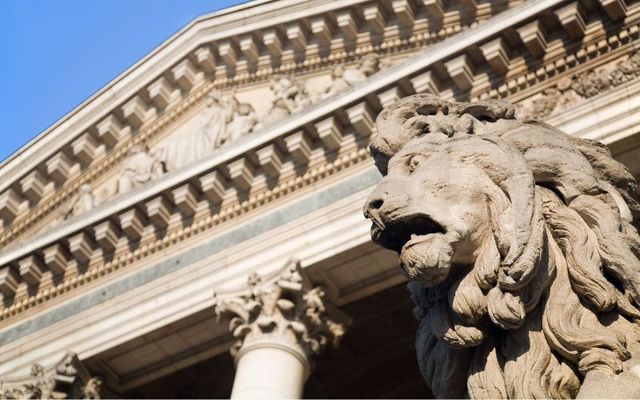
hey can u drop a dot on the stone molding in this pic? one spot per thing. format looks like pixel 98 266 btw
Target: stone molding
pixel 356 108
pixel 68 379
pixel 615 113
pixel 285 310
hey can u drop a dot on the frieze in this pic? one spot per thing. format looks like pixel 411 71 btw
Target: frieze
pixel 569 91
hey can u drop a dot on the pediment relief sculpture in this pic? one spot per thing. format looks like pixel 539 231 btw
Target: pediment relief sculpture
pixel 223 120
pixel 141 167
pixel 289 97
pixel 244 122
pixel 521 245
pixel 83 202
pixel 344 79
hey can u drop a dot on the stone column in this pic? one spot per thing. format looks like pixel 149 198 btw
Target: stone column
pixel 279 323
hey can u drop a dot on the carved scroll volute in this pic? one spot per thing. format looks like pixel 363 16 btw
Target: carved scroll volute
pixel 286 310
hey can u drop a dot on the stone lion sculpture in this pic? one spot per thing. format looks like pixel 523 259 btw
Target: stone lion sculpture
pixel 521 245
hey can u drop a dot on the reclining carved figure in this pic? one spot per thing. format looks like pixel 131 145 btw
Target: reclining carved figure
pixel 521 246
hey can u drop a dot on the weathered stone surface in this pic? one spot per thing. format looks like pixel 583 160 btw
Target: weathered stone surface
pixel 521 245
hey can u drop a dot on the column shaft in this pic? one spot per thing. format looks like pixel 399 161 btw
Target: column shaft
pixel 269 372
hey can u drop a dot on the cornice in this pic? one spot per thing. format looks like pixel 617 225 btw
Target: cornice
pixel 295 144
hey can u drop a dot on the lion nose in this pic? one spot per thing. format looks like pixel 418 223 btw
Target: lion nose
pixel 372 206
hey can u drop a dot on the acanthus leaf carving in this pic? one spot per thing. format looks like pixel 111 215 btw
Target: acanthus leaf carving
pixel 68 379
pixel 286 309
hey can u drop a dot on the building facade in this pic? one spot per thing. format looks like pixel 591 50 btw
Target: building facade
pixel 195 228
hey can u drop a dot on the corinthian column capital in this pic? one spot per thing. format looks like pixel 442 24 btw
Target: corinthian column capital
pixel 67 379
pixel 285 310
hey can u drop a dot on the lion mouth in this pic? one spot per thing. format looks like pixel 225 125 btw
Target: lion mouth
pixel 406 231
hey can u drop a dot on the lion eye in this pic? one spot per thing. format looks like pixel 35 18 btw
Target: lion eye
pixel 413 164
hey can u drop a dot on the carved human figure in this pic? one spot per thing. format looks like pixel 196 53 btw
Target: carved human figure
pixel 83 202
pixel 521 245
pixel 208 132
pixel 289 97
pixel 140 168
pixel 243 123
pixel 345 78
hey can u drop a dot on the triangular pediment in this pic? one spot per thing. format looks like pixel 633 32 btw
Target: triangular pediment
pixel 318 51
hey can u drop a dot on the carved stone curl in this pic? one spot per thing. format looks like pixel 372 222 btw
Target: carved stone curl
pixel 521 243
pixel 286 310
pixel 68 379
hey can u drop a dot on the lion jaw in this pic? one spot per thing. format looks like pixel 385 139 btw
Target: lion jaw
pixel 425 246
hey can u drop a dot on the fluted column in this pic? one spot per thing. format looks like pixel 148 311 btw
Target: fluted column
pixel 280 323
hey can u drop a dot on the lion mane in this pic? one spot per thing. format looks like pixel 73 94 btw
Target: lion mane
pixel 554 291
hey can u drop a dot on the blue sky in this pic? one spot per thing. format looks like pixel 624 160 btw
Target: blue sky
pixel 55 54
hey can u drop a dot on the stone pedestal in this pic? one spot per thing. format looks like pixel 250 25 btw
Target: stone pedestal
pixel 279 323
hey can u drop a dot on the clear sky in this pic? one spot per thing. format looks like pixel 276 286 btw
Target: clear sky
pixel 56 53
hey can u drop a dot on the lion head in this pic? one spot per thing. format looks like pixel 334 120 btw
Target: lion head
pixel 520 242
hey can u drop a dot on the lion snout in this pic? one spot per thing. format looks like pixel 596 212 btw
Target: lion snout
pixel 385 201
